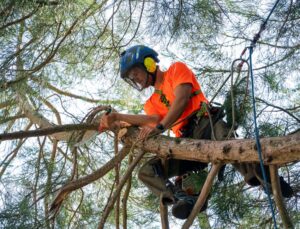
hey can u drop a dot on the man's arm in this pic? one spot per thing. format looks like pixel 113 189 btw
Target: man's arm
pixel 112 120
pixel 182 97
pixel 138 120
pixel 148 122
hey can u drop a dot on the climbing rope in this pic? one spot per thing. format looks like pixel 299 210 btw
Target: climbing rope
pixel 250 68
pixel 257 138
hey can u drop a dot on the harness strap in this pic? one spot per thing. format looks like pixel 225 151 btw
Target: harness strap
pixel 166 102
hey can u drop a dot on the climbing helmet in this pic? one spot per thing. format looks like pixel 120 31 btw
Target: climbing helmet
pixel 138 56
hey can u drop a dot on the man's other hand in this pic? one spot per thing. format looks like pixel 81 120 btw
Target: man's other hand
pixel 147 131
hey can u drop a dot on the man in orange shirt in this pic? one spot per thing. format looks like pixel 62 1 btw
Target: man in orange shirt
pixel 177 95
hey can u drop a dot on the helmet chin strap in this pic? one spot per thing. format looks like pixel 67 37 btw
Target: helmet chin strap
pixel 153 77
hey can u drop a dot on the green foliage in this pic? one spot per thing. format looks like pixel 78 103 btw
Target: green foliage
pixel 16 213
pixel 271 81
pixel 232 204
pixel 271 130
pixel 241 103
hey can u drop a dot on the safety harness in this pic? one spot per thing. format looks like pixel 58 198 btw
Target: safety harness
pixel 166 102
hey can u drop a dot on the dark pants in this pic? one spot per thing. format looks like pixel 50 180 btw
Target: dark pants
pixel 154 176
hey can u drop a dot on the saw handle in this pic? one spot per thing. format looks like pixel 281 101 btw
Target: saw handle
pixel 108 111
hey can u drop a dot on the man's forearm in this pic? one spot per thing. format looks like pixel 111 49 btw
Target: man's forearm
pixel 182 98
pixel 138 120
pixel 175 112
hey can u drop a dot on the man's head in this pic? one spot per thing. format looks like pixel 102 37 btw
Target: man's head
pixel 138 66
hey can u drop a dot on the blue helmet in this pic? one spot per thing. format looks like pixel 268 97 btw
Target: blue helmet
pixel 135 56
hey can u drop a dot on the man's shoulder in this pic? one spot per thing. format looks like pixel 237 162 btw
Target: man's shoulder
pixel 176 68
pixel 178 64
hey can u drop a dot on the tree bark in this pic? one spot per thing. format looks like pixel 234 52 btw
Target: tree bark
pixel 275 150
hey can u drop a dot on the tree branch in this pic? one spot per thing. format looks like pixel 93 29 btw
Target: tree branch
pixel 203 195
pixel 279 108
pixel 19 20
pixel 163 214
pixel 83 181
pixel 287 222
pixel 48 131
pixel 126 195
pixel 276 150
pixel 119 189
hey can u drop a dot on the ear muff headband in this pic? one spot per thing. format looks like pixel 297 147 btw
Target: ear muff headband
pixel 150 64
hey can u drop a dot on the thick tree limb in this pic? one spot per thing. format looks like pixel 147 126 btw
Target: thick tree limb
pixel 163 214
pixel 203 195
pixel 276 150
pixel 287 222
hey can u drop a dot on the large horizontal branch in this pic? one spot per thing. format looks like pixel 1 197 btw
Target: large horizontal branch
pixel 275 150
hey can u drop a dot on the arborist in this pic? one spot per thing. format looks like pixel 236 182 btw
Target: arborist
pixel 176 97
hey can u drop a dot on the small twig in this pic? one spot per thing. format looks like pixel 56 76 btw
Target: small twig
pixel 83 181
pixel 110 194
pixel 117 180
pixel 279 108
pixel 77 209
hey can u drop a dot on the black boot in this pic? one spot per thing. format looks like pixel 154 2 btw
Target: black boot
pixel 185 204
pixel 286 189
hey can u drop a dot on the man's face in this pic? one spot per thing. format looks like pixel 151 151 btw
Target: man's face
pixel 139 77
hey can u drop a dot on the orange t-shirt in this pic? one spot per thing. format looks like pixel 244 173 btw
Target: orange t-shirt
pixel 178 73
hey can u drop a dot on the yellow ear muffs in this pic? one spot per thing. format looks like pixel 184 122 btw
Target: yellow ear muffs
pixel 150 64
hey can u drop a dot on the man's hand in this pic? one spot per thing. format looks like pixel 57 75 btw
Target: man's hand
pixel 108 122
pixel 147 131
